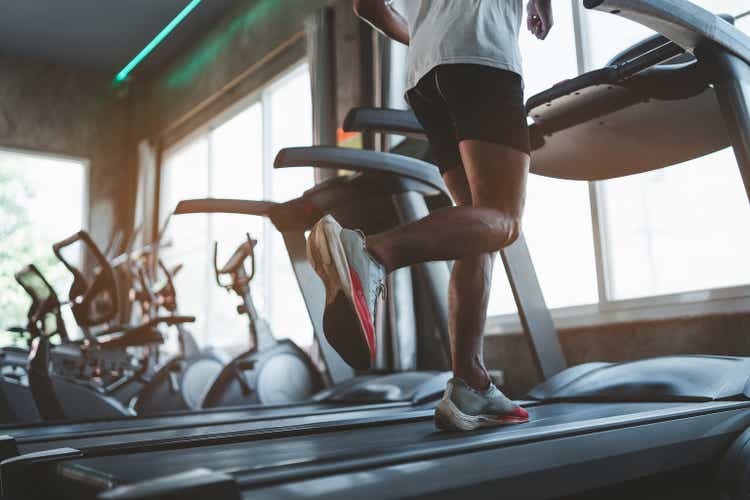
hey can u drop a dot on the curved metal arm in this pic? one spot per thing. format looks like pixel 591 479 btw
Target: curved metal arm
pixel 359 160
pixel 681 21
pixel 168 293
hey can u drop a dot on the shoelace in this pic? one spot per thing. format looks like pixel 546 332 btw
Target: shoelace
pixel 380 288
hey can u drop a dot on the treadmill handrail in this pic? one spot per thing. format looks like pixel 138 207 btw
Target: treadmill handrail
pixel 681 21
pixel 384 120
pixel 225 206
pixel 360 160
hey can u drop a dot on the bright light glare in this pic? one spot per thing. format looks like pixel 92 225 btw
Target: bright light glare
pixel 227 162
pixel 557 220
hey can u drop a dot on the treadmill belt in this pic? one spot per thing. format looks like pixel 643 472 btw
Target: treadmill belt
pixel 203 433
pixel 254 455
pixel 53 431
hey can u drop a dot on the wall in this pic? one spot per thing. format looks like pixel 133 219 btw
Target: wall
pixel 725 334
pixel 57 110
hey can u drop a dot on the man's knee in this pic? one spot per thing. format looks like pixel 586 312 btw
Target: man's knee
pixel 502 230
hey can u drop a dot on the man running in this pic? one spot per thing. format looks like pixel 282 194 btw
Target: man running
pixel 466 89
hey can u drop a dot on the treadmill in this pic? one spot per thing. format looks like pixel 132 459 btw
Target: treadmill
pixel 655 427
pixel 400 187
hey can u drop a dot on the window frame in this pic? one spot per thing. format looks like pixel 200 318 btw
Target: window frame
pixel 86 184
pixel 85 163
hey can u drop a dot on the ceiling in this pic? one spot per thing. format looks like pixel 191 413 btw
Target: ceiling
pixel 100 35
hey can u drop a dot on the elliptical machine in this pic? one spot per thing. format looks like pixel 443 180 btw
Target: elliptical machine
pixel 102 363
pixel 180 384
pixel 272 372
pixel 17 403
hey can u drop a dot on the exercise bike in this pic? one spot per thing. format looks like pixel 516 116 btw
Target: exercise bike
pixel 272 372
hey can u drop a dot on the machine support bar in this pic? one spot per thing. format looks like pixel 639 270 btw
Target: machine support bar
pixel 532 310
pixel 314 295
pixel 402 318
pixel 411 206
pixel 733 93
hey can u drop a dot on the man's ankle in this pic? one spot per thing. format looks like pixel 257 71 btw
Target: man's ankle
pixel 479 380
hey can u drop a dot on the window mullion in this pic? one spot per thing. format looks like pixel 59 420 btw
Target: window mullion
pixel 583 58
pixel 600 242
pixel 208 275
pixel 581 36
pixel 267 182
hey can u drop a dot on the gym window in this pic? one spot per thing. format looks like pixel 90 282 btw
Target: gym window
pixel 648 246
pixel 43 199
pixel 233 158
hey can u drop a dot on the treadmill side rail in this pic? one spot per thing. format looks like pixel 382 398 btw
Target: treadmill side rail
pixel 8 447
pixel 389 121
pixel 197 484
pixel 17 474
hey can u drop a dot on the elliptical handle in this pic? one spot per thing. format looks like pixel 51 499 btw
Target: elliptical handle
pixel 217 274
pixel 168 293
pixel 235 263
pixel 251 253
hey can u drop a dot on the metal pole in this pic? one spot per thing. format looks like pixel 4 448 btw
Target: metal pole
pixel 532 309
pixel 411 206
pixel 733 93
pixel 314 296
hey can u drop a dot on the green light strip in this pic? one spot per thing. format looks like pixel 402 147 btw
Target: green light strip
pixel 164 33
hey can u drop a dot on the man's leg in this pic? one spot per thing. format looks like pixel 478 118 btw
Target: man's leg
pixel 490 193
pixel 467 298
pixel 497 178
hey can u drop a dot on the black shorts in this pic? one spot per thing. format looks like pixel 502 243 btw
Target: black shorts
pixel 455 102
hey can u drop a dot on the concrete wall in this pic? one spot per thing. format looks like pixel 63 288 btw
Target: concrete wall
pixel 52 109
pixel 725 334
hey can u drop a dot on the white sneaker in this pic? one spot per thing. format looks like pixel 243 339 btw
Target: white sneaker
pixel 464 409
pixel 353 280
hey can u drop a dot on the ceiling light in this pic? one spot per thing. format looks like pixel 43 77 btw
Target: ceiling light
pixel 164 33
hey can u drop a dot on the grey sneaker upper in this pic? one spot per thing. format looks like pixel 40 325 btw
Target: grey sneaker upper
pixel 473 402
pixel 367 268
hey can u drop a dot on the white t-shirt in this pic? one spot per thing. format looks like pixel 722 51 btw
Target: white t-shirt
pixel 462 31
